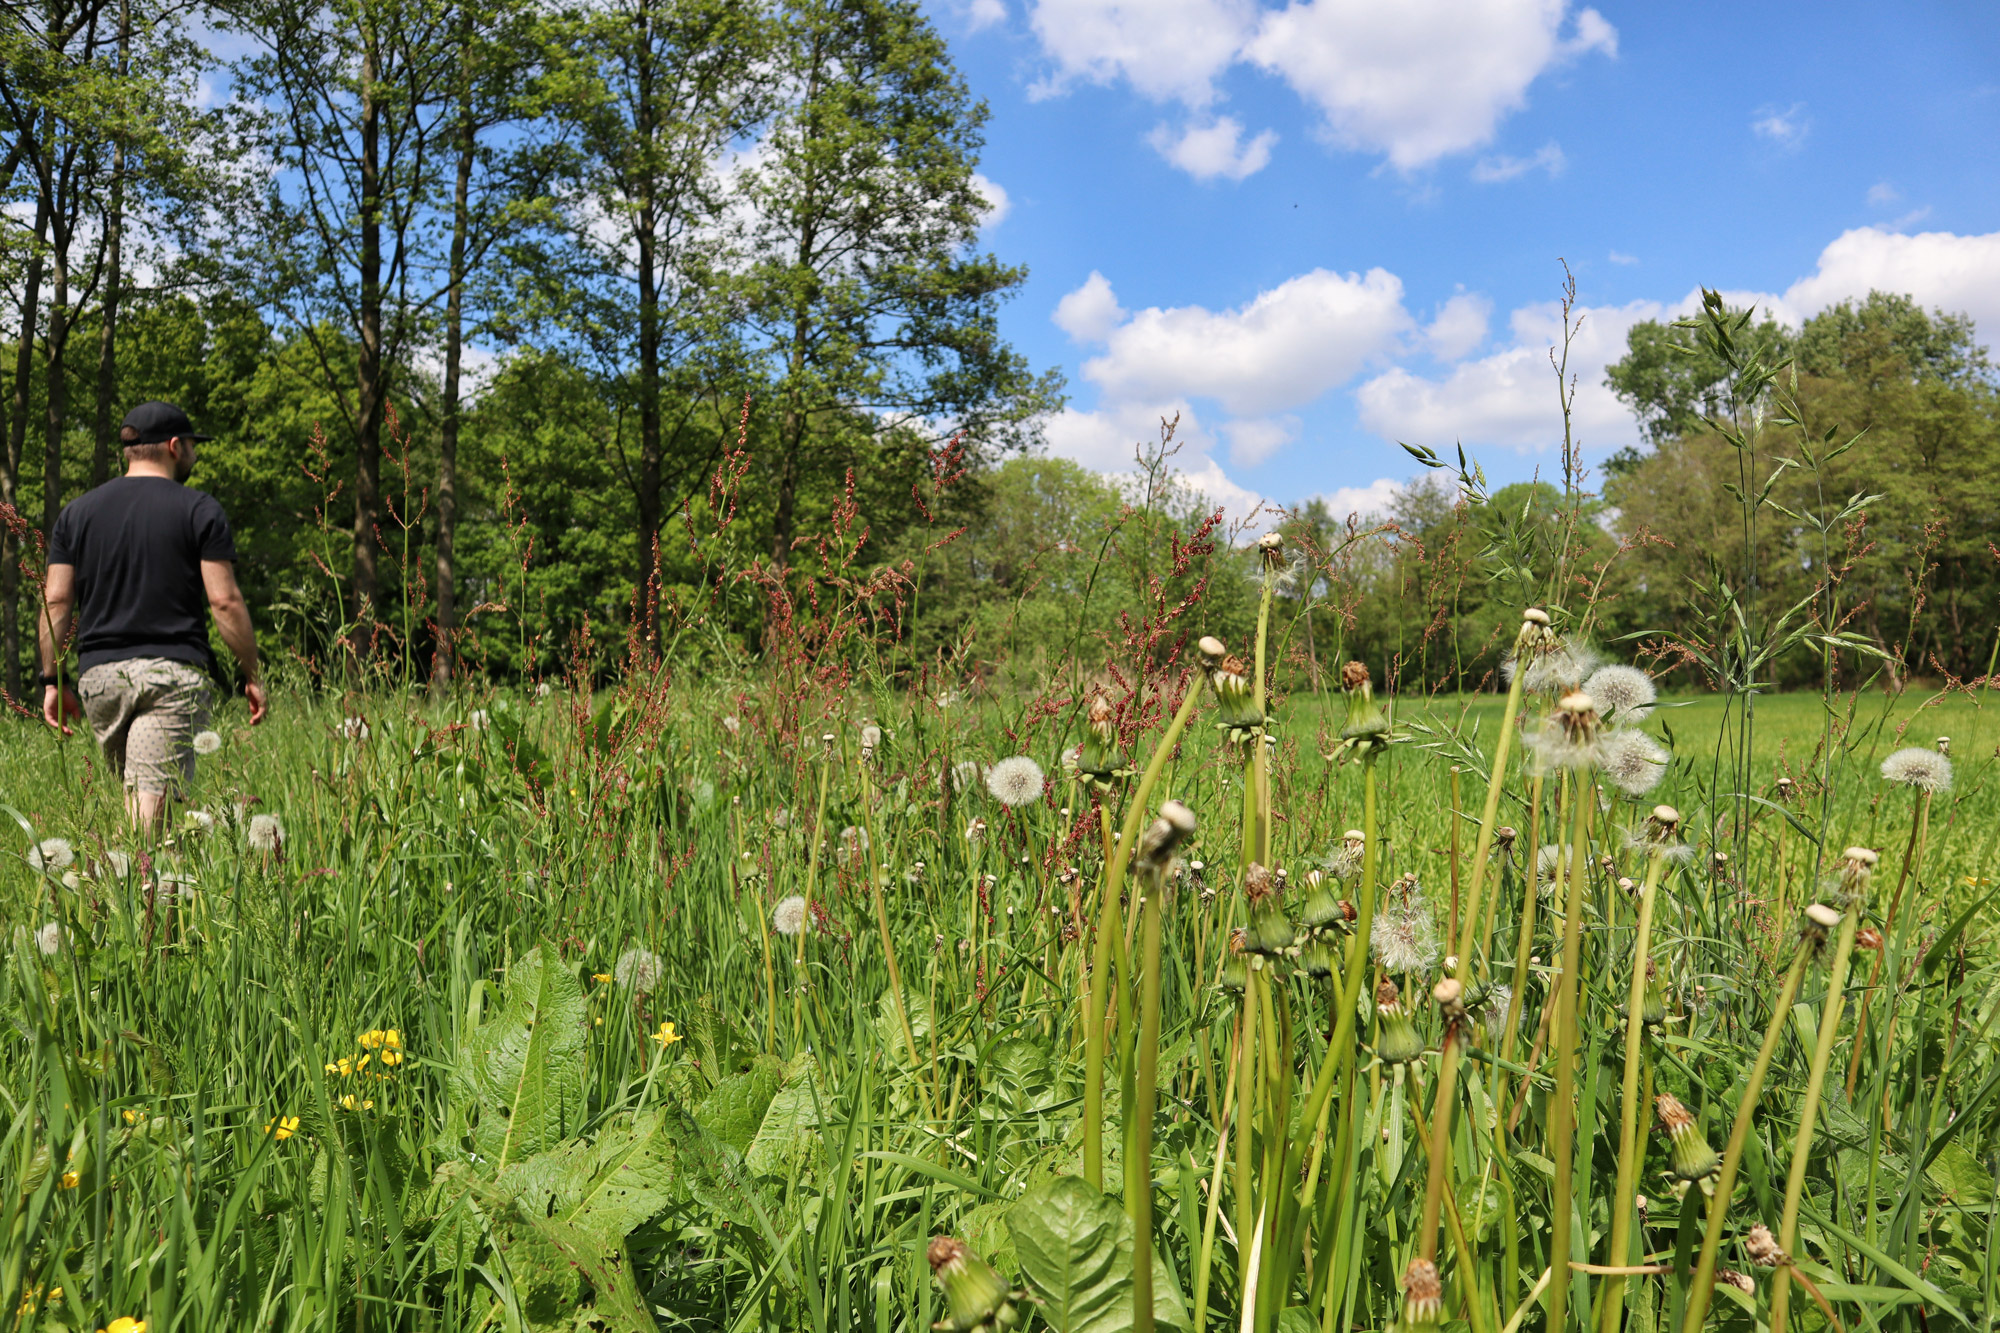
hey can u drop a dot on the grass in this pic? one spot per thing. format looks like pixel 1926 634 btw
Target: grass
pixel 526 891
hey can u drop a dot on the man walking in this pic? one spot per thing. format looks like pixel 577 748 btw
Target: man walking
pixel 134 561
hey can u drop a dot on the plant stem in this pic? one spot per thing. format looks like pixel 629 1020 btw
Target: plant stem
pixel 1562 1108
pixel 1725 1180
pixel 1630 1146
pixel 1912 851
pixel 1139 1166
pixel 1829 1026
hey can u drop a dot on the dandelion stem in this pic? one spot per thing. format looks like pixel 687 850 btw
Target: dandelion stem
pixel 1725 1180
pixel 1631 1150
pixel 1562 1103
pixel 1912 852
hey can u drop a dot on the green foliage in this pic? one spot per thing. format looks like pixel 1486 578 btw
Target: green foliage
pixel 1075 1247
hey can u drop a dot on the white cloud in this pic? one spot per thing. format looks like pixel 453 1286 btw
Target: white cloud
pixel 1166 49
pixel 1421 79
pixel 1460 326
pixel 983 13
pixel 998 205
pixel 1619 257
pixel 1937 268
pixel 1090 312
pixel 1215 149
pixel 1882 194
pixel 1786 128
pixel 1493 170
pixel 1254 439
pixel 1363 502
pixel 1285 348
pixel 1509 398
pixel 1110 438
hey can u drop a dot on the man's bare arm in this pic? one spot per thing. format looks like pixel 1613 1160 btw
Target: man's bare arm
pixel 52 625
pixel 232 620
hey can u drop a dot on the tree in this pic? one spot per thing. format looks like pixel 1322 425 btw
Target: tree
pixel 862 288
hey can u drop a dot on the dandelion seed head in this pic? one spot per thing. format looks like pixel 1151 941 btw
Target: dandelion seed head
pixel 200 820
pixel 1914 766
pixel 206 742
pixel 49 939
pixel 116 864
pixel 638 969
pixel 479 720
pixel 789 916
pixel 1634 761
pixel 1015 782
pixel 1404 935
pixel 266 833
pixel 52 854
pixel 1624 693
pixel 1552 668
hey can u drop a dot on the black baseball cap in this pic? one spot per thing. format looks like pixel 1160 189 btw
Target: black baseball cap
pixel 156 423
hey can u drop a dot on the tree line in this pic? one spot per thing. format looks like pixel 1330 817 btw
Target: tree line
pixel 472 289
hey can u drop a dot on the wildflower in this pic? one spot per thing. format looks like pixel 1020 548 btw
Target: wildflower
pixel 871 738
pixel 344 1066
pixel 350 1103
pixel 49 939
pixel 353 729
pixel 1404 935
pixel 124 1323
pixel 282 1127
pixel 1694 1158
pixel 70 1180
pixel 666 1036
pixel 789 916
pixel 266 833
pixel 206 742
pixel 976 1297
pixel 1624 694
pixel 134 1116
pixel 975 832
pixel 51 854
pixel 1634 761
pixel 637 968
pixel 1552 666
pixel 200 821
pixel 1015 782
pixel 1913 766
pixel 1423 1295
pixel 1174 826
pixel 1397 1041
pixel 601 978
pixel 1568 736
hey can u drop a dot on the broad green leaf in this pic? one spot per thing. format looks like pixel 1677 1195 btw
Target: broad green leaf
pixel 735 1107
pixel 524 1067
pixel 791 1122
pixel 1075 1246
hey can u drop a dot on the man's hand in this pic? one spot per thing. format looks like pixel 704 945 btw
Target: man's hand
pixel 254 693
pixel 60 707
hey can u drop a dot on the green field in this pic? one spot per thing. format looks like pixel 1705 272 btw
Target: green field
pixel 526 890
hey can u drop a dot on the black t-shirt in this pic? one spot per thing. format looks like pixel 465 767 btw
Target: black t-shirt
pixel 137 544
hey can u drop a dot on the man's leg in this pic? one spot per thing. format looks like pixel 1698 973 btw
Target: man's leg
pixel 159 746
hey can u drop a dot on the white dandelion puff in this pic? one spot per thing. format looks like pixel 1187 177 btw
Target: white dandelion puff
pixel 1914 766
pixel 266 833
pixel 789 916
pixel 543 690
pixel 1623 693
pixel 200 820
pixel 1552 668
pixel 1404 936
pixel 206 742
pixel 478 720
pixel 731 725
pixel 871 737
pixel 964 775
pixel 1634 761
pixel 353 729
pixel 52 854
pixel 49 939
pixel 975 832
pixel 116 864
pixel 1498 1010
pixel 638 969
pixel 1015 782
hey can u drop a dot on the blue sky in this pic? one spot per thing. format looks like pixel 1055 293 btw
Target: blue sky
pixel 1319 228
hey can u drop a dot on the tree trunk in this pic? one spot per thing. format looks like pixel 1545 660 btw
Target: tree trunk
pixel 443 660
pixel 17 439
pixel 114 278
pixel 55 355
pixel 646 234
pixel 369 375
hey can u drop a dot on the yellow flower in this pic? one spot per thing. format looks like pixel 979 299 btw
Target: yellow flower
pixel 392 1057
pixel 371 1039
pixel 666 1036
pixel 392 1039
pixel 282 1127
pixel 135 1117
pixel 601 978
pixel 343 1067
pixel 362 1063
pixel 350 1104
pixel 599 1020
pixel 125 1323
pixel 33 1296
pixel 70 1180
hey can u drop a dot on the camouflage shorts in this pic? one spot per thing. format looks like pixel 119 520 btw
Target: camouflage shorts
pixel 145 712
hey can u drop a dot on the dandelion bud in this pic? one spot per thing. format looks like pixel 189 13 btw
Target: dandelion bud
pixel 1174 826
pixel 1423 1295
pixel 1826 918
pixel 1943 745
pixel 1694 1158
pixel 1317 958
pixel 1653 1008
pixel 1271 549
pixel 1211 648
pixel 1857 866
pixel 1322 911
pixel 976 1296
pixel 1763 1248
pixel 1366 723
pixel 1397 1041
pixel 1503 838
pixel 1236 967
